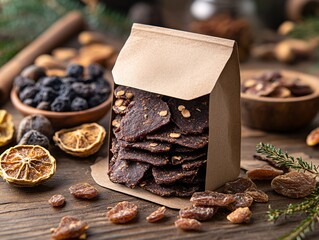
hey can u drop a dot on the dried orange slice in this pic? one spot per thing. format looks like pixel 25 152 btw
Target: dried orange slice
pixel 81 141
pixel 313 137
pixel 26 165
pixel 6 127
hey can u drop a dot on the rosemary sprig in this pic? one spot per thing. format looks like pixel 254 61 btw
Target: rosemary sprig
pixel 309 206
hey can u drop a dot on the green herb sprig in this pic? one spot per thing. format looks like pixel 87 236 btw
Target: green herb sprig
pixel 310 205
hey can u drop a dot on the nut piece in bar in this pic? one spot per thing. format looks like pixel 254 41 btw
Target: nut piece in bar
pixel 151 146
pixel 141 156
pixel 191 165
pixel 128 172
pixel 70 228
pixel 240 215
pixel 210 198
pixel 171 175
pixel 198 213
pixel 190 116
pixel 143 117
pixel 123 212
pixel 156 215
pixel 172 134
pixel 182 157
pixel 84 191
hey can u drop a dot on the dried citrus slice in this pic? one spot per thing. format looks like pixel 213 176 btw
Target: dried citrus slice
pixel 26 165
pixel 81 141
pixel 6 127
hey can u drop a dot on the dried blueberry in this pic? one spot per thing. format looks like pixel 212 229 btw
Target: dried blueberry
pixel 81 89
pixel 28 92
pixel 33 137
pixel 46 94
pixel 96 100
pixel 53 82
pixel 95 71
pixel 66 90
pixel 21 82
pixel 33 72
pixel 74 70
pixel 101 86
pixel 44 106
pixel 61 104
pixel 68 80
pixel 79 104
pixel 29 102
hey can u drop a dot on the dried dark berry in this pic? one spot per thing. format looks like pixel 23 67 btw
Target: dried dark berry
pixel 67 91
pixel 33 72
pixel 61 104
pixel 53 82
pixel 96 100
pixel 74 70
pixel 28 102
pixel 101 86
pixel 79 104
pixel 81 89
pixel 45 95
pixel 28 92
pixel 34 137
pixel 68 80
pixel 21 82
pixel 95 70
pixel 44 106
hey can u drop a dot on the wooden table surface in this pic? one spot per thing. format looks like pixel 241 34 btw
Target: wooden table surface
pixel 26 214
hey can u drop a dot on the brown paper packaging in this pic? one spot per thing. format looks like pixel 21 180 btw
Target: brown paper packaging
pixel 184 65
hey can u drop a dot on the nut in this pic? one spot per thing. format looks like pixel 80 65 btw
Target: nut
pixel 181 108
pixel 129 95
pixel 250 83
pixel 48 62
pixel 116 123
pixel 153 144
pixel 122 108
pixel 177 158
pixel 186 113
pixel 163 113
pixel 175 135
pixel 120 93
pixel 118 102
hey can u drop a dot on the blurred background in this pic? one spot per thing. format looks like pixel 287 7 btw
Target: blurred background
pixel 272 31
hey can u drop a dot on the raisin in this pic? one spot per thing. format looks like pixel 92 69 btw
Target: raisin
pixel 83 190
pixel 240 215
pixel 74 70
pixel 35 122
pixel 198 213
pixel 28 92
pixel 239 185
pixel 264 173
pixel 21 82
pixel 156 215
pixel 34 137
pixel 257 195
pixel 81 89
pixel 188 224
pixel 44 106
pixel 57 200
pixel 79 104
pixel 53 82
pixel 69 228
pixel 33 72
pixel 241 200
pixel 294 184
pixel 209 198
pixel 123 212
pixel 95 70
pixel 60 104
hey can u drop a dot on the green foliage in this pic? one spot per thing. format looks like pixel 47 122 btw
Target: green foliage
pixel 306 29
pixel 310 205
pixel 21 21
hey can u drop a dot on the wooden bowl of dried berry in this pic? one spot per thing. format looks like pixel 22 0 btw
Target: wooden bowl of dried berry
pixel 82 95
pixel 278 100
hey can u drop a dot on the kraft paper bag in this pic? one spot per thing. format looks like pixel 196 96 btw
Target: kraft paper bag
pixel 187 66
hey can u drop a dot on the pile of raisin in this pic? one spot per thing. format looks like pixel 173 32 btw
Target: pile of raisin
pixel 74 92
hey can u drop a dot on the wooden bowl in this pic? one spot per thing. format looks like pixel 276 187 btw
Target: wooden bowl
pixel 65 119
pixel 280 114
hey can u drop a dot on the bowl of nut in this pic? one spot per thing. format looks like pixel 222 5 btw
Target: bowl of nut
pixel 278 100
pixel 79 96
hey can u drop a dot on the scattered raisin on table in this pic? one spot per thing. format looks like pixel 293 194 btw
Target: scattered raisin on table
pixel 156 215
pixel 188 224
pixel 241 200
pixel 239 185
pixel 198 213
pixel 69 228
pixel 210 198
pixel 123 212
pixel 57 200
pixel 264 173
pixel 257 195
pixel 240 215
pixel 83 190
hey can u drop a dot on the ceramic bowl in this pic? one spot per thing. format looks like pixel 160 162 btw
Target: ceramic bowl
pixel 64 119
pixel 280 114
